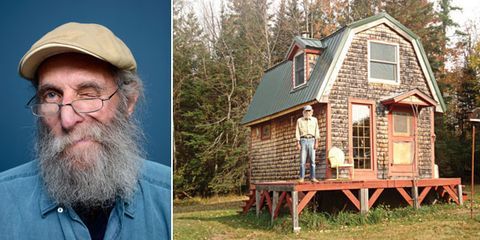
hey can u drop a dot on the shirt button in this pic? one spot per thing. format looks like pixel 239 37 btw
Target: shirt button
pixel 60 210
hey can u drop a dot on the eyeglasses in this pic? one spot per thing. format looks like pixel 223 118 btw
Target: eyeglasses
pixel 83 105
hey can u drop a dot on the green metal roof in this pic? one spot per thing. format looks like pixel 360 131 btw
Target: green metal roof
pixel 308 42
pixel 274 93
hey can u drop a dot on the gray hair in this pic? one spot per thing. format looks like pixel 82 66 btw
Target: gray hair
pixel 130 85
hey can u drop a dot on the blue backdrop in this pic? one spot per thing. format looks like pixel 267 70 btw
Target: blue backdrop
pixel 145 26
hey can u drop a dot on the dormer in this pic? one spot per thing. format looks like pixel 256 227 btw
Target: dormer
pixel 303 53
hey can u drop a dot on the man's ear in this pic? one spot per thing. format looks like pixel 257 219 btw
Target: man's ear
pixel 132 101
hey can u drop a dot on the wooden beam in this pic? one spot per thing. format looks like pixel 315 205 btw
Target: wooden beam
pixel 405 196
pixel 249 202
pixel 375 196
pixel 460 194
pixel 288 199
pixel 452 194
pixel 296 227
pixel 352 198
pixel 257 202
pixel 305 201
pixel 416 203
pixel 363 200
pixel 279 205
pixel 423 194
pixel 274 205
pixel 268 200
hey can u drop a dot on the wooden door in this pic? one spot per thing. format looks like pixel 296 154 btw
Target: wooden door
pixel 402 146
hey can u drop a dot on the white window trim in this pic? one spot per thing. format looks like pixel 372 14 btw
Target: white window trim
pixel 384 81
pixel 304 69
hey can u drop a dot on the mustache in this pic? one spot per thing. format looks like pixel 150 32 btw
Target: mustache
pixel 93 133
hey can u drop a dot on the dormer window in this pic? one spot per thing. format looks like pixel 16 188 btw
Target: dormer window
pixel 299 75
pixel 303 66
pixel 383 62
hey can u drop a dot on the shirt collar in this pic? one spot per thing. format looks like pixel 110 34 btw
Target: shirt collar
pixel 47 204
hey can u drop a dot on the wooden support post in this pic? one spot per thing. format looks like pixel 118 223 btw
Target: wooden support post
pixel 257 201
pixel 274 205
pixel 296 227
pixel 416 203
pixel 364 200
pixel 460 194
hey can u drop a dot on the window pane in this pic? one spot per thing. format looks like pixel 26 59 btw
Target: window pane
pixel 299 69
pixel 361 115
pixel 402 123
pixel 266 131
pixel 361 136
pixel 402 152
pixel 383 52
pixel 383 71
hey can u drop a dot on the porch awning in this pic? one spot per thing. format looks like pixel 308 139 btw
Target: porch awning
pixel 413 97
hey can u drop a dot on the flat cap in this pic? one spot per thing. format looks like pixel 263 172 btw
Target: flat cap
pixel 307 108
pixel 92 39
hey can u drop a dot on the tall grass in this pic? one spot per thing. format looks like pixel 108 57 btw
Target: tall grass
pixel 310 220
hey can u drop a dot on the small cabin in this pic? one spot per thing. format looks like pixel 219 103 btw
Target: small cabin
pixel 374 95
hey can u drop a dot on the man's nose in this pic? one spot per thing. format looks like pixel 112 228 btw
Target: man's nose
pixel 69 118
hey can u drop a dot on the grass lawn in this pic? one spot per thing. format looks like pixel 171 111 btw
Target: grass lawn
pixel 217 218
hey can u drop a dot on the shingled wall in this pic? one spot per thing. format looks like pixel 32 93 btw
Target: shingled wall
pixel 352 82
pixel 277 158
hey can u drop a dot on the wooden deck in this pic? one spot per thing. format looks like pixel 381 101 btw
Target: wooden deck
pixel 296 196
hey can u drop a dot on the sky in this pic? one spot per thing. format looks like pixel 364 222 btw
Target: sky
pixel 145 26
pixel 469 10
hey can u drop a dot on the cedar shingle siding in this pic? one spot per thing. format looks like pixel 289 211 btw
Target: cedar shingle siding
pixel 352 81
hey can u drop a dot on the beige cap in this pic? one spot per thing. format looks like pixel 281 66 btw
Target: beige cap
pixel 92 39
pixel 307 108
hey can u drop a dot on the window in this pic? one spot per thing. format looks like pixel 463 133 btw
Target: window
pixel 265 132
pixel 361 136
pixel 402 123
pixel 299 61
pixel 383 62
pixel 403 137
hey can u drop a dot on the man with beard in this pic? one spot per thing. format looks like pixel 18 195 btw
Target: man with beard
pixel 90 179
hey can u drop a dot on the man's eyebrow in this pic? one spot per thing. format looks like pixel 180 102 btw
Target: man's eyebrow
pixel 45 87
pixel 90 84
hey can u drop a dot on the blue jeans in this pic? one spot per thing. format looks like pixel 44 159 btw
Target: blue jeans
pixel 307 149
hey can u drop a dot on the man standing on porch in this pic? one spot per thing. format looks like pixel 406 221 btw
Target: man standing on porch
pixel 307 135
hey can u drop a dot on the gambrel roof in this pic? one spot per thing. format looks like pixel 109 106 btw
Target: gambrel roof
pixel 274 95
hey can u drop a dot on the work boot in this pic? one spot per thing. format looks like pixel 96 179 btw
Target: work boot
pixel 315 180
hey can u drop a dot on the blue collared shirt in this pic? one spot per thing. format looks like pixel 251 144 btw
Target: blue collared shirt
pixel 27 212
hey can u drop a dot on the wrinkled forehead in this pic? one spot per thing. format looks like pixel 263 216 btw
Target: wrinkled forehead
pixel 74 68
